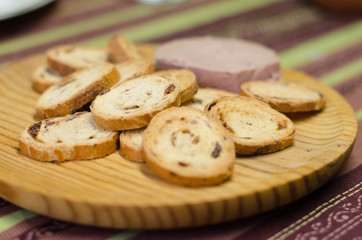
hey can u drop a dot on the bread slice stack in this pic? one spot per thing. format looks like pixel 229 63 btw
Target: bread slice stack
pixel 72 78
pixel 131 140
pixel 187 135
pixel 65 59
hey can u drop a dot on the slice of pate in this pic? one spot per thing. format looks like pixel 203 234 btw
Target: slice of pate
pixel 219 62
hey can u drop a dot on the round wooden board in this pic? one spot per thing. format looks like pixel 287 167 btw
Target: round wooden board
pixel 114 192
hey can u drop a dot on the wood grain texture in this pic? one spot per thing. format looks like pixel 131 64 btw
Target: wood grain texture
pixel 114 192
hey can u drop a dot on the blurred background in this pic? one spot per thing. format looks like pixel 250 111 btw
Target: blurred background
pixel 32 26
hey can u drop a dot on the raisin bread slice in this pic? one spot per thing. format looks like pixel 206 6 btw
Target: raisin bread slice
pixel 206 95
pixel 133 68
pixel 72 137
pixel 43 78
pixel 131 144
pixel 76 90
pixel 121 49
pixel 182 145
pixel 285 96
pixel 184 79
pixel 133 103
pixel 254 126
pixel 147 50
pixel 66 59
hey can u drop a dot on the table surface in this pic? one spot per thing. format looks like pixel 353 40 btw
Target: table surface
pixel 325 44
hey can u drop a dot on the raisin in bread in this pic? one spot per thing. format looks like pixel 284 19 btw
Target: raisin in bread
pixel 133 103
pixel 66 59
pixel 121 49
pixel 131 144
pixel 206 95
pixel 285 96
pixel 76 90
pixel 133 68
pixel 184 79
pixel 254 126
pixel 72 137
pixel 43 78
pixel 182 145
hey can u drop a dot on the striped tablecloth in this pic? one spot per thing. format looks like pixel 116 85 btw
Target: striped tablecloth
pixel 324 44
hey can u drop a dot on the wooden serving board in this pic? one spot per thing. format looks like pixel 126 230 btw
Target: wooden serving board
pixel 114 192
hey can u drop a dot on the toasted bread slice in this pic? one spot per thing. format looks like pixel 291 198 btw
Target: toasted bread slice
pixel 254 126
pixel 206 95
pixel 184 79
pixel 133 103
pixel 147 50
pixel 72 137
pixel 182 145
pixel 43 78
pixel 76 90
pixel 131 144
pixel 66 59
pixel 285 96
pixel 133 68
pixel 121 49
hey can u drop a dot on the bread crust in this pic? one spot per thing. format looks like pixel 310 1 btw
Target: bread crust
pixel 147 50
pixel 183 146
pixel 60 67
pixel 284 96
pixel 43 78
pixel 184 79
pixel 33 146
pixel 121 49
pixel 254 126
pixel 117 109
pixel 130 142
pixel 105 77
pixel 206 95
pixel 61 60
pixel 133 68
